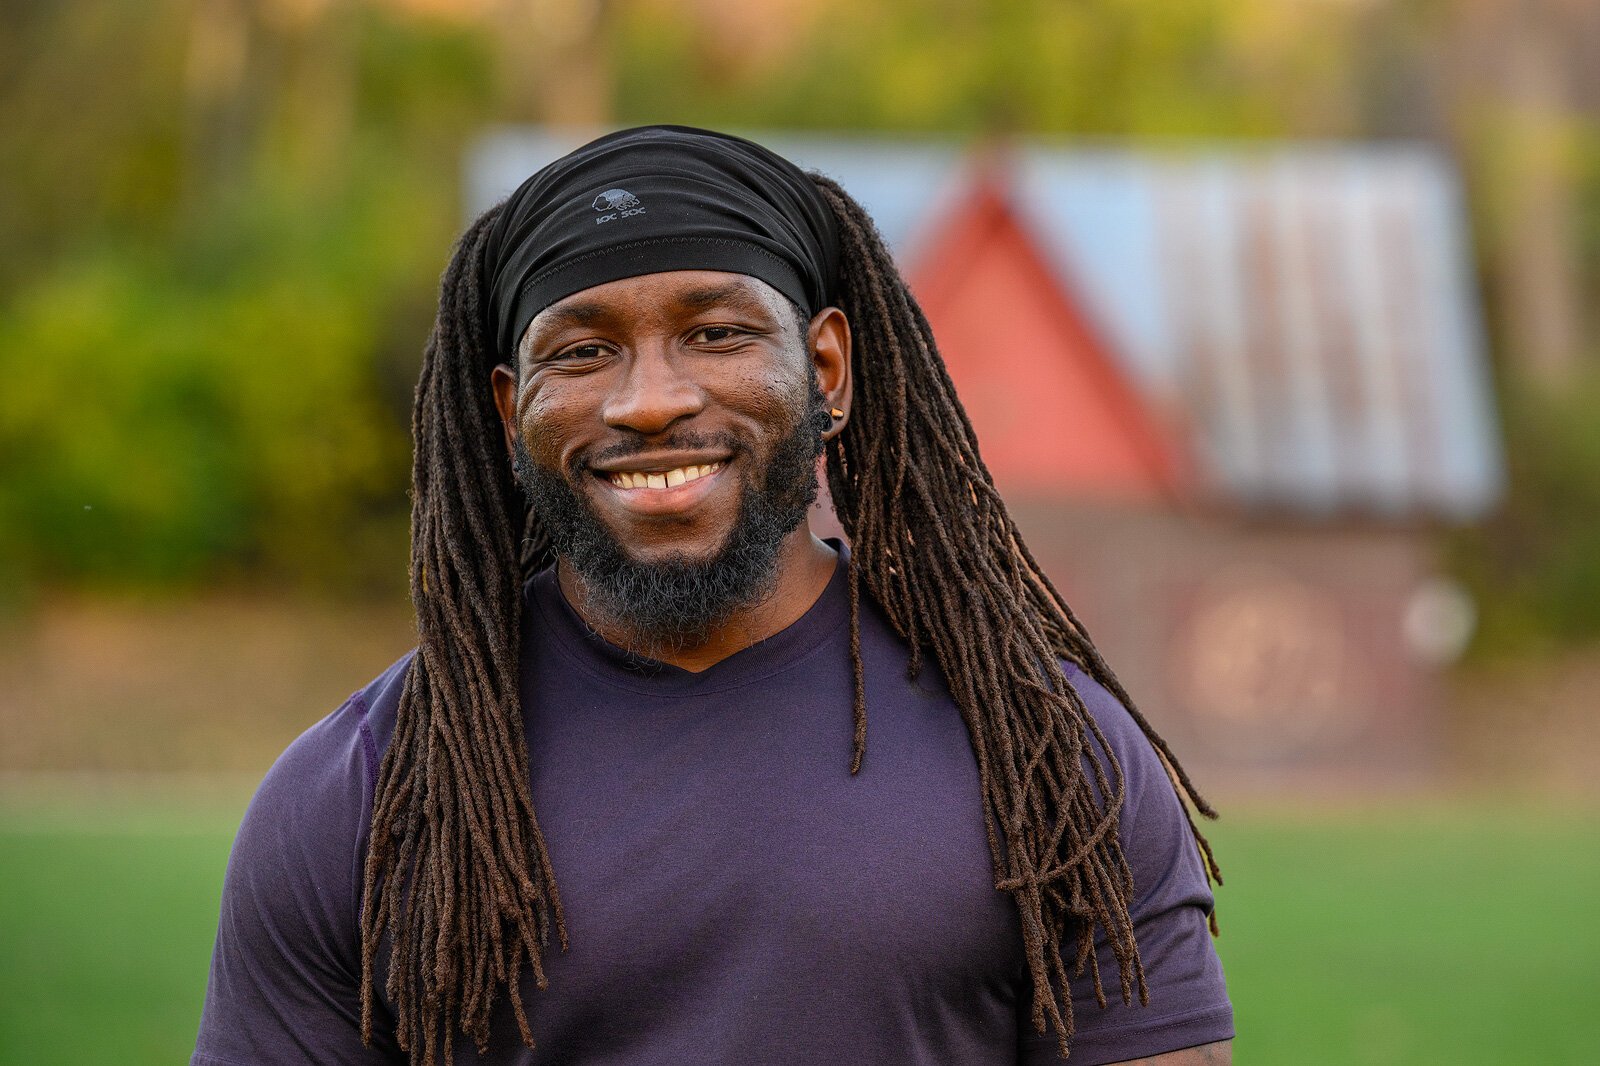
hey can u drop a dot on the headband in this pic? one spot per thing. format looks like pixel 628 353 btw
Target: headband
pixel 650 199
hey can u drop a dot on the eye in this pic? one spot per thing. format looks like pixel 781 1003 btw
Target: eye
pixel 715 334
pixel 578 353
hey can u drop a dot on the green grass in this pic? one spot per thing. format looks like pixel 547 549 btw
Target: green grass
pixel 1451 936
pixel 1445 936
pixel 105 934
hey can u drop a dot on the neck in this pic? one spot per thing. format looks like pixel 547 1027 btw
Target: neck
pixel 805 565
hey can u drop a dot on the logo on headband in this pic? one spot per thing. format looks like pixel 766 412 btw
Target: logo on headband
pixel 616 203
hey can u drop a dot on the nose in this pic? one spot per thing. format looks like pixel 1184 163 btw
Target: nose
pixel 653 394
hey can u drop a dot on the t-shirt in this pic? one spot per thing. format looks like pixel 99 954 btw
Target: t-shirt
pixel 732 893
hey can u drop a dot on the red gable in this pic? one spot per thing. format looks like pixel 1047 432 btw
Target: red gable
pixel 1054 413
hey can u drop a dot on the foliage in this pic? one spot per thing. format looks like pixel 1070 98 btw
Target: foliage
pixel 164 417
pixel 1534 567
pixel 1102 67
pixel 212 380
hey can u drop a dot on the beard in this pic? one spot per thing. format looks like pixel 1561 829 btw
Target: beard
pixel 676 602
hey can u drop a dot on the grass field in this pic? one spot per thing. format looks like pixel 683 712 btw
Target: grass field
pixel 1464 935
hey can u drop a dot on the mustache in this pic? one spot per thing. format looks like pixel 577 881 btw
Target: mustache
pixel 687 440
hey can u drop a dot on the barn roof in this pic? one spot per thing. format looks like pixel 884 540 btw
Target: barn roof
pixel 1309 308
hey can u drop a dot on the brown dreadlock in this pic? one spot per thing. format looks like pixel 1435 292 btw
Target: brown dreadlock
pixel 458 877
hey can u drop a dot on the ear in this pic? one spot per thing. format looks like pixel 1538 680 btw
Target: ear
pixel 829 341
pixel 504 382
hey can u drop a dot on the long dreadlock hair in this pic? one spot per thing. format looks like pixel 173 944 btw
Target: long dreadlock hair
pixel 458 878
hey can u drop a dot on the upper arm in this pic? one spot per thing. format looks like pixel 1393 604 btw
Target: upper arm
pixel 285 972
pixel 1171 905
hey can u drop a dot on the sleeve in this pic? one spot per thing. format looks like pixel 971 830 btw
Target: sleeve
pixel 1172 902
pixel 286 970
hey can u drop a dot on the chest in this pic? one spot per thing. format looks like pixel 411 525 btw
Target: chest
pixel 720 843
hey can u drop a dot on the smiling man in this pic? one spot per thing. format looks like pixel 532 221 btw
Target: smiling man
pixel 640 678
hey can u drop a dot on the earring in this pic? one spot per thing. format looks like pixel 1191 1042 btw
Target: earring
pixel 835 412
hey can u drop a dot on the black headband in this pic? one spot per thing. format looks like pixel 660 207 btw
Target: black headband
pixel 651 199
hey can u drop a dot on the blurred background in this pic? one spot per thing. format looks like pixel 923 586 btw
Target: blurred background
pixel 1280 324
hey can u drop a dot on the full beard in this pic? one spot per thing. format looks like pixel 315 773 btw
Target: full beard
pixel 675 603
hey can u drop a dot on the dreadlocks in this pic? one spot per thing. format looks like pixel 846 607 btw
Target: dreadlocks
pixel 937 549
pixel 458 878
pixel 457 872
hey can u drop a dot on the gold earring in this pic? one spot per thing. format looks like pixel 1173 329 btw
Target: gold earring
pixel 835 412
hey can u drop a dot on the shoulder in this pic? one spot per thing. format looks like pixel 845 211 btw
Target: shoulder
pixel 288 941
pixel 295 869
pixel 1122 734
pixel 327 774
pixel 309 814
pixel 1154 827
pixel 1123 737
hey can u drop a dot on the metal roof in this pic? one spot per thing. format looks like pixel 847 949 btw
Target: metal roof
pixel 1309 308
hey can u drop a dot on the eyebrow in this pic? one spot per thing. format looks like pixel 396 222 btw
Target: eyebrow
pixel 733 292
pixel 573 314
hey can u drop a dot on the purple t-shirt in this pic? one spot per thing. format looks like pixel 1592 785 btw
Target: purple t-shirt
pixel 732 893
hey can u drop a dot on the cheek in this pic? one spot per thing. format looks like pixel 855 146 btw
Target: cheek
pixel 551 425
pixel 772 399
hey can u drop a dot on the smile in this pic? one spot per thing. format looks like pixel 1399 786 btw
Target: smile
pixel 663 479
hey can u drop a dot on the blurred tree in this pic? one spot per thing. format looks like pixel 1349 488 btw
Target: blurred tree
pixel 1123 67
pixel 556 59
pixel 202 347
pixel 1524 93
pixel 1535 566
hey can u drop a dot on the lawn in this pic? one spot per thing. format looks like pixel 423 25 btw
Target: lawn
pixel 1437 935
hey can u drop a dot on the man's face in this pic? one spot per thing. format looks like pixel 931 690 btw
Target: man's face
pixel 666 428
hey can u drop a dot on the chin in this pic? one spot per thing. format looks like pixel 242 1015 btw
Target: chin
pixel 673 553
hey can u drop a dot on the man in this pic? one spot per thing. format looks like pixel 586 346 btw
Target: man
pixel 644 681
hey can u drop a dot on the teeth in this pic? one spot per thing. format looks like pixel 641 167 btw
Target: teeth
pixel 632 479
